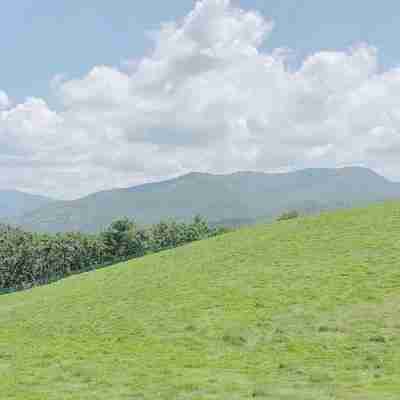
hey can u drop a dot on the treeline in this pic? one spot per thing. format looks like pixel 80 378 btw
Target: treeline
pixel 30 259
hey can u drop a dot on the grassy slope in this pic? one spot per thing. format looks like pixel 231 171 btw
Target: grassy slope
pixel 305 309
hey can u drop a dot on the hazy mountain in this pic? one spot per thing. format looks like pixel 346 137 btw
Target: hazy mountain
pixel 14 203
pixel 233 199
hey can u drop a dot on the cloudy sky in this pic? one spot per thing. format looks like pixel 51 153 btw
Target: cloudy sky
pixel 115 93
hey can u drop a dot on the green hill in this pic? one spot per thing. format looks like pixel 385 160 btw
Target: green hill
pixel 304 309
pixel 236 199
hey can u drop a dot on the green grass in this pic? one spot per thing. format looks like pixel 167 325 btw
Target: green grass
pixel 303 309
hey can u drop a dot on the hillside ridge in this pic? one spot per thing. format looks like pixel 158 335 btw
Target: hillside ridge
pixel 242 196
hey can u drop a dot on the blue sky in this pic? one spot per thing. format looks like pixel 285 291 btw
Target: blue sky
pixel 43 38
pixel 212 91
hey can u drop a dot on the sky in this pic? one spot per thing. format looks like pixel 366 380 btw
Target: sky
pixel 110 94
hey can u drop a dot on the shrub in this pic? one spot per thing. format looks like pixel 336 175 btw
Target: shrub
pixel 288 215
pixel 28 259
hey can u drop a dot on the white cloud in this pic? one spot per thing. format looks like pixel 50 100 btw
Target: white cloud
pixel 57 80
pixel 207 97
pixel 4 100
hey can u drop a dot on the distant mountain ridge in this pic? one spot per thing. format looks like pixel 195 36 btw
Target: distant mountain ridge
pixel 234 199
pixel 14 203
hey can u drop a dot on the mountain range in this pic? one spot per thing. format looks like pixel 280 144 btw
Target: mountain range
pixel 15 204
pixel 236 199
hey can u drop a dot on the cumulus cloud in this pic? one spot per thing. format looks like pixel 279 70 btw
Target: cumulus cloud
pixel 207 97
pixel 4 100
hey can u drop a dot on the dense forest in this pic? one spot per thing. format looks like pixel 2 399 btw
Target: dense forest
pixel 30 259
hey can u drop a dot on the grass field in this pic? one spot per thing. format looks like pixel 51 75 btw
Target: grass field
pixel 305 309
